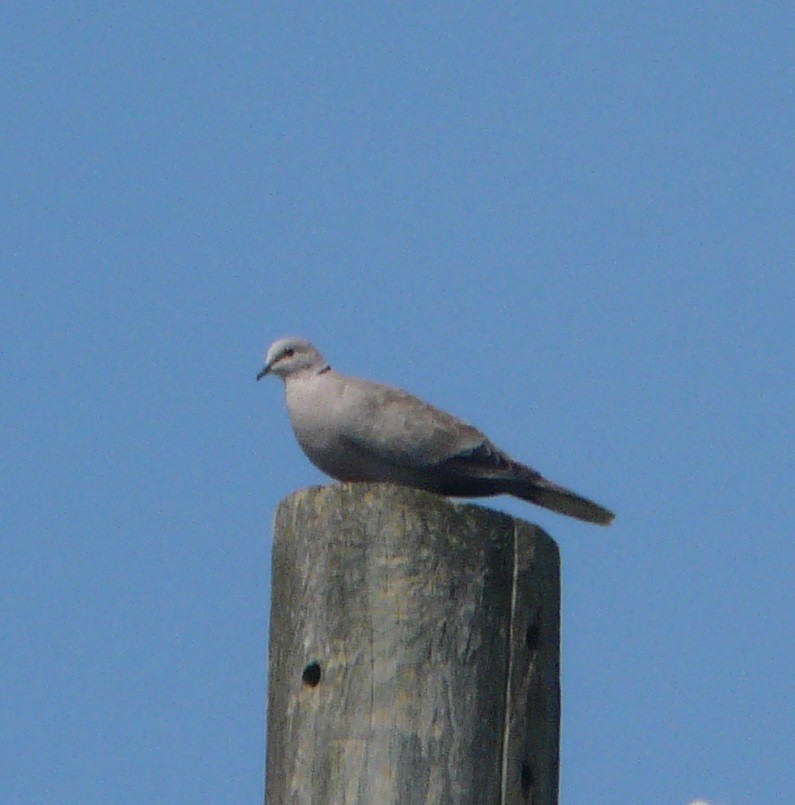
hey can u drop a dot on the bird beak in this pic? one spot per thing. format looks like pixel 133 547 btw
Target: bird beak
pixel 264 371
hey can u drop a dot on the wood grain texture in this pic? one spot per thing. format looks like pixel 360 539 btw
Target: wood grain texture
pixel 414 652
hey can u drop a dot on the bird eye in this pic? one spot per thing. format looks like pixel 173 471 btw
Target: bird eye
pixel 288 353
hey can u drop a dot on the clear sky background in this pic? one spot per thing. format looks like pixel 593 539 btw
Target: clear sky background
pixel 573 225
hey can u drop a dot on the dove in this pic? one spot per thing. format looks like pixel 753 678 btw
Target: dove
pixel 356 430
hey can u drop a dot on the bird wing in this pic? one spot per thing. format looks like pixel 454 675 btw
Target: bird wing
pixel 403 430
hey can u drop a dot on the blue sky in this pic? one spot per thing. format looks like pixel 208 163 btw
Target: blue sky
pixel 572 226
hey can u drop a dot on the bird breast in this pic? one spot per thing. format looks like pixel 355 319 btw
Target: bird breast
pixel 317 426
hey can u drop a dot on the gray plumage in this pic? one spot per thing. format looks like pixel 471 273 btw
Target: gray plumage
pixel 357 430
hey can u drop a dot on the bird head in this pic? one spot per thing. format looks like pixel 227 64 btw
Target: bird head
pixel 287 356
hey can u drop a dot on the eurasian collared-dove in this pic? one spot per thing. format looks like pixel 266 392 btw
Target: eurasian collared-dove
pixel 357 430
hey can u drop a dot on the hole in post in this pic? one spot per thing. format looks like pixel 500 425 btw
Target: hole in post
pixel 311 674
pixel 526 779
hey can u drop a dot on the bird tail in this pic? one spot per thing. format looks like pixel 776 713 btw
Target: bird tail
pixel 559 499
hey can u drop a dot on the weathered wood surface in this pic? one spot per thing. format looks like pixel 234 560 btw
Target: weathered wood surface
pixel 414 652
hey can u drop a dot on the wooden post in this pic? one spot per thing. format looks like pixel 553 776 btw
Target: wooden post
pixel 414 652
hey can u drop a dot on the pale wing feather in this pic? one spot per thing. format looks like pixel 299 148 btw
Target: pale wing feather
pixel 400 428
